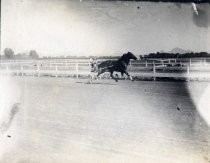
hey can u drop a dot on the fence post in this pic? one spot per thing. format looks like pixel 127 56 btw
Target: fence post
pixel 154 71
pixel 146 63
pixel 21 70
pixel 188 69
pixel 204 62
pixel 188 72
pixel 162 63
pixel 56 70
pixel 77 71
pixel 38 70
pixel 190 62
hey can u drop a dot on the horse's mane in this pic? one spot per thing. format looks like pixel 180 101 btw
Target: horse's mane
pixel 125 58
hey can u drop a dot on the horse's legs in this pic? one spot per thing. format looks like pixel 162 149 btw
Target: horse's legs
pixel 101 71
pixel 117 76
pixel 122 73
pixel 111 74
pixel 126 72
pixel 91 79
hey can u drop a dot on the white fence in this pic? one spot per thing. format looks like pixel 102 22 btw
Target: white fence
pixel 81 67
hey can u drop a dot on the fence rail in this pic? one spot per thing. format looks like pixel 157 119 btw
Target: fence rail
pixel 192 68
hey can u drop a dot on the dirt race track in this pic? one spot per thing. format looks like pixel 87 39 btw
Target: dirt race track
pixel 68 121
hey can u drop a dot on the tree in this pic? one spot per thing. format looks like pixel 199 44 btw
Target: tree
pixel 21 56
pixel 33 54
pixel 9 53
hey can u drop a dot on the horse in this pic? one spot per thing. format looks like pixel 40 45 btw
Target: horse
pixel 119 65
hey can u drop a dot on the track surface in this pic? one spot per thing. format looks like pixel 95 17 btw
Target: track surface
pixel 67 120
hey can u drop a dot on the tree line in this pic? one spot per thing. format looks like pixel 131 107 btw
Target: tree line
pixel 10 54
pixel 32 54
pixel 176 55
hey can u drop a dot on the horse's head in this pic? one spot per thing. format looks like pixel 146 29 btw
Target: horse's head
pixel 130 55
pixel 127 57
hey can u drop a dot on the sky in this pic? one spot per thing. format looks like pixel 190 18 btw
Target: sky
pixel 65 27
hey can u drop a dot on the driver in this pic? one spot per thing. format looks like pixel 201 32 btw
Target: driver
pixel 93 69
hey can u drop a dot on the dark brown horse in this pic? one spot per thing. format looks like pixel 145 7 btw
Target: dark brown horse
pixel 119 65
